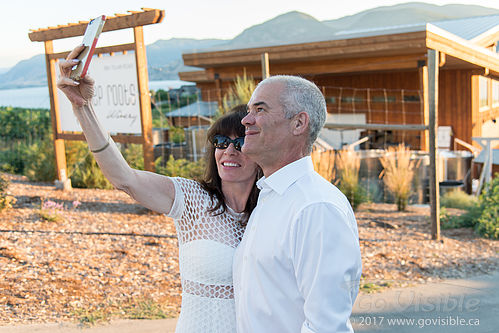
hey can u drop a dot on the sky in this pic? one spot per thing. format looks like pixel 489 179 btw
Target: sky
pixel 199 19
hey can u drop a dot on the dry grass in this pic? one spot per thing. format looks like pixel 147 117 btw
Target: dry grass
pixel 239 93
pixel 398 173
pixel 348 165
pixel 324 163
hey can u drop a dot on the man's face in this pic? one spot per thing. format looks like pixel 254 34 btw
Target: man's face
pixel 267 129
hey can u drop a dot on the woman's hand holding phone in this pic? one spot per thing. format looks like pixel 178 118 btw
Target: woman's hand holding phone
pixel 80 92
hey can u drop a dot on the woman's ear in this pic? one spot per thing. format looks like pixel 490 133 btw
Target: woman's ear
pixel 300 123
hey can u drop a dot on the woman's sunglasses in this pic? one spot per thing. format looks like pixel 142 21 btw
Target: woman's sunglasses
pixel 222 142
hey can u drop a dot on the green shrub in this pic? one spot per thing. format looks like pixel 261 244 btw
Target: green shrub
pixel 181 168
pixel 40 161
pixel 12 158
pixel 177 134
pixel 82 167
pixel 458 199
pixel 20 129
pixel 134 155
pixel 482 215
pixel 6 201
pixel 468 219
pixel 488 222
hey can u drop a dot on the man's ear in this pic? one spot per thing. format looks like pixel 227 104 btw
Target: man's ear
pixel 300 123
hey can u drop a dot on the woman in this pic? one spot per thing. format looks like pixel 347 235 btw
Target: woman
pixel 209 216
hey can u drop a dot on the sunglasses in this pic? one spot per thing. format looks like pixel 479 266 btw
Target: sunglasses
pixel 222 142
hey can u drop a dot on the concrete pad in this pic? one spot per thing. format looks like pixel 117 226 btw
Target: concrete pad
pixel 118 326
pixel 449 306
pixel 461 305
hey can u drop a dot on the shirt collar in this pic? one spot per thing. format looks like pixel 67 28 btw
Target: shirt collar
pixel 283 178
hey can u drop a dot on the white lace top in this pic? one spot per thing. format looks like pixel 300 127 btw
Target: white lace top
pixel 206 248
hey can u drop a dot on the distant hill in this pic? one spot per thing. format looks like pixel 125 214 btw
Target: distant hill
pixel 164 60
pixel 292 27
pixel 26 73
pixel 406 13
pixel 165 56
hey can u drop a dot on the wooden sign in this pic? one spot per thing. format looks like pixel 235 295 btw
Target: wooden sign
pixel 116 98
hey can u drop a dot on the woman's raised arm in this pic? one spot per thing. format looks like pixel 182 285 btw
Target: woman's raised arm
pixel 153 191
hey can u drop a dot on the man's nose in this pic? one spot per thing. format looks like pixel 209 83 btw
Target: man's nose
pixel 248 119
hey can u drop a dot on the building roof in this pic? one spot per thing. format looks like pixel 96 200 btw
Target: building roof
pixel 393 47
pixel 196 109
pixel 470 27
pixel 467 28
pixel 481 157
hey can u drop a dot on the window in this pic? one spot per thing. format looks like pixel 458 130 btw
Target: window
pixel 495 93
pixel 383 99
pixel 483 84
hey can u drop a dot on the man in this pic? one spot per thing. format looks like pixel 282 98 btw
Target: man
pixel 298 266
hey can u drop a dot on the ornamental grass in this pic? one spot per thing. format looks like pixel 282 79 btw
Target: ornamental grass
pixel 324 163
pixel 398 174
pixel 347 167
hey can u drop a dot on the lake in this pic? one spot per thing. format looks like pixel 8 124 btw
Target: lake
pixel 38 97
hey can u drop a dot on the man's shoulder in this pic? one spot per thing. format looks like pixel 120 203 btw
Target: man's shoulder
pixel 315 185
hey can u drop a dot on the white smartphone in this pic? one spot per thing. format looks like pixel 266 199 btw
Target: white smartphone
pixel 94 28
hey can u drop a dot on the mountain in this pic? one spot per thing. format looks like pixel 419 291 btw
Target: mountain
pixel 292 27
pixel 164 59
pixel 26 73
pixel 406 13
pixel 165 56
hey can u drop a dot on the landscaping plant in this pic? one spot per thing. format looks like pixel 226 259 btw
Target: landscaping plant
pixel 398 173
pixel 6 201
pixel 488 223
pixel 347 168
pixel 481 214
pixel 324 163
pixel 238 93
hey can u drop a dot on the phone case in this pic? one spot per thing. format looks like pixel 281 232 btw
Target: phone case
pixel 94 28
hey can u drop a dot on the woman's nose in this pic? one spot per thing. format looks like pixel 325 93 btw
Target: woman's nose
pixel 230 149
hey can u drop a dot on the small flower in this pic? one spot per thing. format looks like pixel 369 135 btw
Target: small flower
pixel 76 203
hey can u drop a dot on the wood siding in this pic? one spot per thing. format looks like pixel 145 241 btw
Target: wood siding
pixel 455 103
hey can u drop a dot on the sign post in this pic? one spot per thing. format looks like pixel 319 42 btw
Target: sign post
pixel 121 98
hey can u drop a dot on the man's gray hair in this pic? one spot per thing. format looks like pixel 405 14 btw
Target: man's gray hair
pixel 300 95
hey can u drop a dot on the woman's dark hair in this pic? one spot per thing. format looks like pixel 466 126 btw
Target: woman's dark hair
pixel 228 124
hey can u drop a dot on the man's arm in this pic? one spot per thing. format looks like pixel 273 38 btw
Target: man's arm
pixel 327 266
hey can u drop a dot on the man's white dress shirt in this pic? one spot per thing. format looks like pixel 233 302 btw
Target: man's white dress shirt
pixel 298 266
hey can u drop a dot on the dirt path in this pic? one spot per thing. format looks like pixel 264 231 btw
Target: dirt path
pixel 109 258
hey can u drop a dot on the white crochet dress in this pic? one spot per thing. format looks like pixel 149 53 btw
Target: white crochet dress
pixel 206 247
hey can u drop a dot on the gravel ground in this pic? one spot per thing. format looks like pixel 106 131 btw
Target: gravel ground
pixel 110 252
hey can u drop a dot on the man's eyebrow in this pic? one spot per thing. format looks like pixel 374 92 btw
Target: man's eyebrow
pixel 260 103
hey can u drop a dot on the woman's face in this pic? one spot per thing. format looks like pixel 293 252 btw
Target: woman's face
pixel 233 165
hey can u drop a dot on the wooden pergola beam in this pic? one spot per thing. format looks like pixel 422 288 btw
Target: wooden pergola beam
pixel 99 50
pixel 120 21
pixel 443 41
